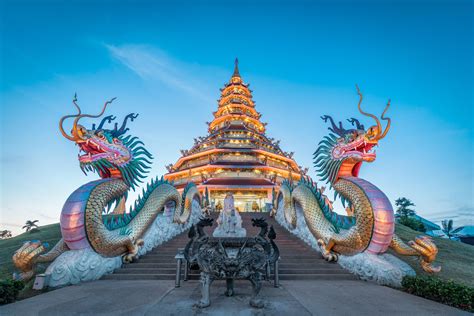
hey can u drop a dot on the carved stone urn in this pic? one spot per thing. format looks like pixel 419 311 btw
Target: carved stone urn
pixel 231 258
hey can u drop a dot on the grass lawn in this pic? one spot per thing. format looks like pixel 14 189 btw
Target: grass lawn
pixel 48 233
pixel 455 258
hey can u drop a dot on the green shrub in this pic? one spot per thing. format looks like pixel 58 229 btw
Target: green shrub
pixel 446 292
pixel 9 290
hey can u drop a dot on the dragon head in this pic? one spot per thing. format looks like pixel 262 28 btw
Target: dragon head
pixel 108 151
pixel 343 151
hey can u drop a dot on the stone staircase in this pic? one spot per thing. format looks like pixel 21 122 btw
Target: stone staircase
pixel 298 260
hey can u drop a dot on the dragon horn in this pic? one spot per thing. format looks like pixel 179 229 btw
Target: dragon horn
pixel 355 122
pixel 379 126
pixel 338 130
pixel 107 119
pixel 387 119
pixel 61 128
pixel 75 132
pixel 122 130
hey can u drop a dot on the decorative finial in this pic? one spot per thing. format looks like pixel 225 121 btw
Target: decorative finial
pixel 236 68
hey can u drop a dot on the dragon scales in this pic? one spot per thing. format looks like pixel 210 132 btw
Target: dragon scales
pixel 121 162
pixel 370 223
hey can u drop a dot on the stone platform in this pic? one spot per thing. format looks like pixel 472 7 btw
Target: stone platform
pixel 322 297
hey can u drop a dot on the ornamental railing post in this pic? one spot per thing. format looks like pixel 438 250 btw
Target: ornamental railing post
pixel 179 259
pixel 276 276
pixel 186 269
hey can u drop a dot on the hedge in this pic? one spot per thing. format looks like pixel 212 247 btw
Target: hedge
pixel 446 292
pixel 9 290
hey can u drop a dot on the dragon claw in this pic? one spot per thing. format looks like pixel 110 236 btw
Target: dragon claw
pixel 428 267
pixel 428 251
pixel 25 257
pixel 140 242
pixel 326 253
pixel 129 257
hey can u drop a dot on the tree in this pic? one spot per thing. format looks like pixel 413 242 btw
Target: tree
pixel 447 227
pixel 31 225
pixel 404 209
pixel 413 223
pixel 4 234
pixel 406 213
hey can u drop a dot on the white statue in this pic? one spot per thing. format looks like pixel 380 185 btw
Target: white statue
pixel 229 221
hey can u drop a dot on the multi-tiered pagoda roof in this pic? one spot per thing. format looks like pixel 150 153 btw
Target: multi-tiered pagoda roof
pixel 236 155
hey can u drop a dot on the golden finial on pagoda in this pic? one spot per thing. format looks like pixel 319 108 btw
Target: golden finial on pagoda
pixel 236 68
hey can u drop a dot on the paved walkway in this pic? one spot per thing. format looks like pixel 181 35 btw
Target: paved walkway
pixel 109 297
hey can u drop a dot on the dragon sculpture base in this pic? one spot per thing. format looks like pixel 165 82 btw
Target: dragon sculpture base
pixel 231 258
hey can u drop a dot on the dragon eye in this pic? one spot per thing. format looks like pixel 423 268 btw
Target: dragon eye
pixel 100 135
pixel 116 141
pixel 81 131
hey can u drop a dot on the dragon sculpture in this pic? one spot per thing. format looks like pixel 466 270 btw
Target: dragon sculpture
pixel 371 225
pixel 121 161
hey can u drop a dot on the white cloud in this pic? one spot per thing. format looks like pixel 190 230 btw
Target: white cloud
pixel 152 64
pixel 463 215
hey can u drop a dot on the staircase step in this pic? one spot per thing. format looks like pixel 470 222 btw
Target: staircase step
pixel 147 271
pixel 172 271
pixel 283 265
pixel 144 265
pixel 312 271
pixel 117 276
pixel 345 276
pixel 318 265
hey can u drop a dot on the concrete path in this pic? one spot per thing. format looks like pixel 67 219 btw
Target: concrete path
pixel 109 297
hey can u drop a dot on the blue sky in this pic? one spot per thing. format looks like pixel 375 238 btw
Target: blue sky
pixel 167 62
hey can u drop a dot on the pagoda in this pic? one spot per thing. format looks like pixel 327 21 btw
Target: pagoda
pixel 236 155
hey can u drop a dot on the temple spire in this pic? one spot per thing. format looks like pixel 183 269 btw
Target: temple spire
pixel 236 68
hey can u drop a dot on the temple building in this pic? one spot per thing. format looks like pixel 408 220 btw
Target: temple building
pixel 236 155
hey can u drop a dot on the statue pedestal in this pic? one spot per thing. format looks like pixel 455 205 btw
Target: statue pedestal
pixel 221 232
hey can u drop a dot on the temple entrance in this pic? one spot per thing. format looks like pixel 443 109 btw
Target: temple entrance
pixel 244 201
